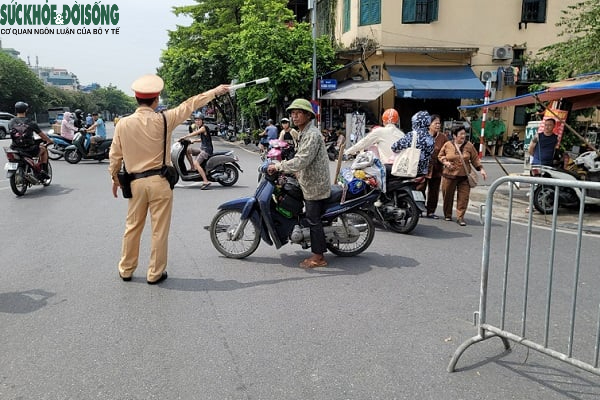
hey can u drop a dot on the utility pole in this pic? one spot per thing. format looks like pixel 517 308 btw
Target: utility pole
pixel 312 6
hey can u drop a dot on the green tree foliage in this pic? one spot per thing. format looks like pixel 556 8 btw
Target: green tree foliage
pixel 198 55
pixel 19 83
pixel 243 40
pixel 579 52
pixel 269 46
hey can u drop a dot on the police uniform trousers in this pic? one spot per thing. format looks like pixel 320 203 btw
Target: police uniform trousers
pixel 461 187
pixel 152 194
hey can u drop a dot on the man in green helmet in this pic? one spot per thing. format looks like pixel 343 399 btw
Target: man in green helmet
pixel 311 165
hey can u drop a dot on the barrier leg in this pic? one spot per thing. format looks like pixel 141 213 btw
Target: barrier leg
pixel 475 339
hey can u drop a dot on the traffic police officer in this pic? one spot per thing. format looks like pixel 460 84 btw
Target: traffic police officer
pixel 138 143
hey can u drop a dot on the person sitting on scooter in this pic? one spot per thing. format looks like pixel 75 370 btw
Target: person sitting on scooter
pixel 382 137
pixel 79 122
pixel 67 127
pixel 311 165
pixel 288 134
pixel 206 150
pixel 195 129
pixel 21 131
pixel 98 130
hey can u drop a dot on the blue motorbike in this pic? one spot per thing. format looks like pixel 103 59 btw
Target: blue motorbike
pixel 275 215
pixel 56 150
pixel 80 148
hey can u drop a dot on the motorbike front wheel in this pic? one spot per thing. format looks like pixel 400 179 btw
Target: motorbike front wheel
pixel 355 227
pixel 543 199
pixel 232 175
pixel 410 219
pixel 47 181
pixel 223 227
pixel 18 183
pixel 51 155
pixel 72 156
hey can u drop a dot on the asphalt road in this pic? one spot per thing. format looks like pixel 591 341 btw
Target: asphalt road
pixel 382 325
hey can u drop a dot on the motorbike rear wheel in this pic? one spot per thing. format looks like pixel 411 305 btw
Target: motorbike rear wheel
pixel 18 183
pixel 410 221
pixel 366 232
pixel 222 228
pixel 72 156
pixel 51 155
pixel 508 150
pixel 232 175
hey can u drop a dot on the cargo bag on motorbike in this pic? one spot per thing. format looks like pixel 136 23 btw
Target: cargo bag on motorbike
pixel 290 200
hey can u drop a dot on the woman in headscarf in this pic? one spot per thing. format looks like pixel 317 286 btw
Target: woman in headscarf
pixel 420 127
pixel 67 128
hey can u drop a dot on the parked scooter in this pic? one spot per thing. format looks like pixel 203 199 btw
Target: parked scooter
pixel 56 150
pixel 585 167
pixel 221 167
pixel 24 171
pixel 332 151
pixel 514 146
pixel 400 207
pixel 79 149
pixel 274 214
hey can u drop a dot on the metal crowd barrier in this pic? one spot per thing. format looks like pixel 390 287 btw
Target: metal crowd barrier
pixel 487 329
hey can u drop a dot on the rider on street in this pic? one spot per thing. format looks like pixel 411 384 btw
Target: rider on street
pixel 21 131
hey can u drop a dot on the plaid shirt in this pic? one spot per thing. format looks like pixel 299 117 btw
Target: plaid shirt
pixel 311 164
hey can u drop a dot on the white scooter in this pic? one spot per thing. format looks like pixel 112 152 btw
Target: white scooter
pixel 221 167
pixel 585 167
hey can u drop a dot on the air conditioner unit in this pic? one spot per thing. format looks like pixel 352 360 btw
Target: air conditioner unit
pixel 502 53
pixel 489 75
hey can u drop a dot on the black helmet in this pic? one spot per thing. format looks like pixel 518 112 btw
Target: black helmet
pixel 21 107
pixel 78 113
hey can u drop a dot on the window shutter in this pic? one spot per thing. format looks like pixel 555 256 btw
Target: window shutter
pixel 432 11
pixel 409 11
pixel 346 23
pixel 541 17
pixel 370 12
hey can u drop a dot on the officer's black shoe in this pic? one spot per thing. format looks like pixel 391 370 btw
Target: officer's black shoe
pixel 159 280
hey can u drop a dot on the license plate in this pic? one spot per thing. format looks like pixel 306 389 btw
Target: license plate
pixel 418 195
pixel 10 166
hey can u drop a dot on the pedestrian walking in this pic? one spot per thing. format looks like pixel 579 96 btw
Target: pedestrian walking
pixel 433 179
pixel 458 158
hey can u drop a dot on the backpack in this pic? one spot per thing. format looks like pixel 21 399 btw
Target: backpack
pixel 19 135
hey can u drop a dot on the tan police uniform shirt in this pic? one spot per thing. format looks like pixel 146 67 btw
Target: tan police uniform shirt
pixel 139 139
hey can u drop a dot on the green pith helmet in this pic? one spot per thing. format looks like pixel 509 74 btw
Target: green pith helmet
pixel 301 104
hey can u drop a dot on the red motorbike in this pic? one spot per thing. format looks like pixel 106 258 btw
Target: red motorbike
pixel 24 171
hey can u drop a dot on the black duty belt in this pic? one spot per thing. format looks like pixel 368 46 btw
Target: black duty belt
pixel 145 174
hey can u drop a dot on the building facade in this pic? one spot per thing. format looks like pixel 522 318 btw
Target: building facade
pixel 439 53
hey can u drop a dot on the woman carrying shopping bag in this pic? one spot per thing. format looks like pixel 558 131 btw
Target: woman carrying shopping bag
pixel 458 158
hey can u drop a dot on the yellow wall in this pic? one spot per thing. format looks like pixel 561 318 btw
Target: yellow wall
pixel 479 24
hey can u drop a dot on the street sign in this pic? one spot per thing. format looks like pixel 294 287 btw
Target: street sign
pixel 328 84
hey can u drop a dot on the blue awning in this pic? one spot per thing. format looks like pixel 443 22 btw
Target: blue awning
pixel 453 82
